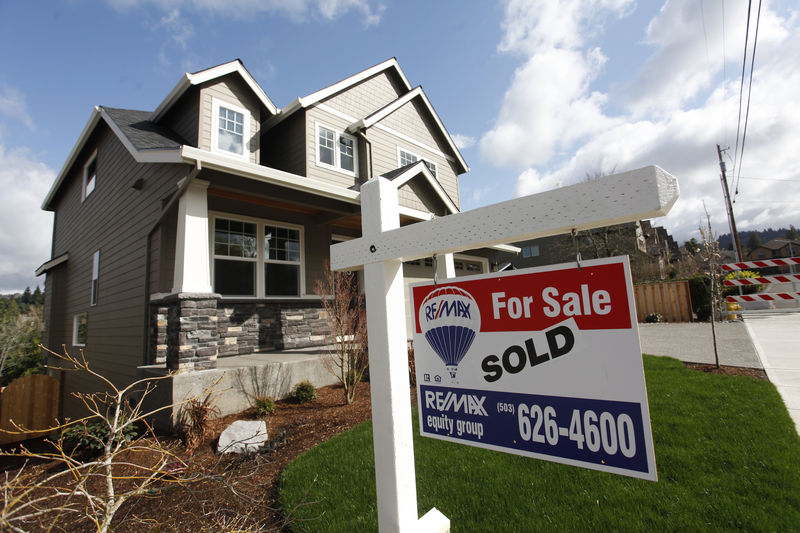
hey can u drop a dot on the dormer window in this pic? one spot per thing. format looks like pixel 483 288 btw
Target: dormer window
pixel 336 150
pixel 231 129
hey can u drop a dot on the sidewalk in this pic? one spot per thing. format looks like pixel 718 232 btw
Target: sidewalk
pixel 692 342
pixel 777 340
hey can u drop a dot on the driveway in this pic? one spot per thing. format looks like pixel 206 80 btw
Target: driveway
pixel 692 342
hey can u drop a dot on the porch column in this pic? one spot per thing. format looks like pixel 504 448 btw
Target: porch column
pixel 192 272
pixel 445 267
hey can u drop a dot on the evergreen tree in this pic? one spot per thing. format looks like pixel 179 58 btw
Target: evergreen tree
pixel 26 296
pixel 793 234
pixel 754 241
pixel 38 296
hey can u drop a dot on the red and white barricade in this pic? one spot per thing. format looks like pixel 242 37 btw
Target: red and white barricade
pixel 792 278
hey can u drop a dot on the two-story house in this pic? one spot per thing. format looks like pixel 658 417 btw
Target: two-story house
pixel 196 230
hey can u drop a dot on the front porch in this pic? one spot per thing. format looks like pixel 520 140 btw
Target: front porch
pixel 235 381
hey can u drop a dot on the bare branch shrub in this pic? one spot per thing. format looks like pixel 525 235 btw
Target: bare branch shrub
pixel 347 323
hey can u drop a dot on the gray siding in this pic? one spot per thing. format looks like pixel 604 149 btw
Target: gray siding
pixel 284 146
pixel 233 90
pixel 315 116
pixel 183 118
pixel 366 97
pixel 114 219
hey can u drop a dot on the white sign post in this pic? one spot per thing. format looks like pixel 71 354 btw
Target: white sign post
pixel 639 194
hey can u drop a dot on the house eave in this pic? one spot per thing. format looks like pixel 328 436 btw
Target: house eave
pixel 265 174
pixel 188 80
pixel 49 265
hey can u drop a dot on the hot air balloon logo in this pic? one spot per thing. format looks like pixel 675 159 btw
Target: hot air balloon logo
pixel 449 319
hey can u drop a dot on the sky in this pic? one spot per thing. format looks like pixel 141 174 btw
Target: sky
pixel 537 93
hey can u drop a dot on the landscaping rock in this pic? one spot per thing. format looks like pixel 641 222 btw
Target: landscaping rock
pixel 243 436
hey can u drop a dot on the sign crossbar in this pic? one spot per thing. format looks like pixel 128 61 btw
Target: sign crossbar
pixel 639 194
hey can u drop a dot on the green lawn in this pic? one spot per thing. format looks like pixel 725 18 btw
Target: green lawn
pixel 727 453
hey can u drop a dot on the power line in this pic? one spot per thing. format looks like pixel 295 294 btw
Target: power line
pixel 749 93
pixel 767 179
pixel 741 90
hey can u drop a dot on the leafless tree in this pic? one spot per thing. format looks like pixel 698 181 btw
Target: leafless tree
pixel 343 304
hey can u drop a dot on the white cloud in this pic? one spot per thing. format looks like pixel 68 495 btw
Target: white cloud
pixel 179 29
pixel 463 141
pixel 673 110
pixel 13 104
pixel 24 182
pixel 295 9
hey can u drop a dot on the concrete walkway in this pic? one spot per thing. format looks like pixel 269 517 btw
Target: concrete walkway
pixel 777 340
pixel 692 342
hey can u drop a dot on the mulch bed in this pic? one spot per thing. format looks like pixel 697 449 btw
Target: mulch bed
pixel 755 373
pixel 243 494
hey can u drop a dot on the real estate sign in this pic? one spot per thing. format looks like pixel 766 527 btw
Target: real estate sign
pixel 541 362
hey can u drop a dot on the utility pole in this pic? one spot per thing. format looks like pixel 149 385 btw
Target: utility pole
pixel 729 207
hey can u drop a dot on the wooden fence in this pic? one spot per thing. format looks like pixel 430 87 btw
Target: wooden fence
pixel 670 299
pixel 31 402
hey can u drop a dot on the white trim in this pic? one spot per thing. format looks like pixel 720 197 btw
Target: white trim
pixel 266 174
pixel 337 164
pixel 260 260
pixel 85 181
pixel 352 80
pixel 473 259
pixel 421 168
pixel 49 265
pixel 216 104
pixel 390 108
pixel 187 80
pixel 387 129
pixel 75 325
pixel 434 172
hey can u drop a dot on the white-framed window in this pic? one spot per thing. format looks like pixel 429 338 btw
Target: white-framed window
pixel 404 157
pixel 79 323
pixel 256 258
pixel 230 129
pixel 95 276
pixel 336 150
pixel 89 177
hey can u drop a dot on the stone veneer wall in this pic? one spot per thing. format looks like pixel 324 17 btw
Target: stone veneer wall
pixel 257 326
pixel 184 331
pixel 189 331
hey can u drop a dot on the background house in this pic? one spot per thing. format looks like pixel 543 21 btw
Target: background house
pixel 196 230
pixel 776 248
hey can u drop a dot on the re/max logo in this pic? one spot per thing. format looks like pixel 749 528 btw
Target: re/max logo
pixel 457 403
pixel 444 308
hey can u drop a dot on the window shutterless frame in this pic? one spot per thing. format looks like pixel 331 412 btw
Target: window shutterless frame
pixel 89 182
pixel 79 327
pixel 95 277
pixel 270 253
pixel 336 150
pixel 230 129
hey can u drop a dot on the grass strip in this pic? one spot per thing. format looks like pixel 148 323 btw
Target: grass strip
pixel 727 453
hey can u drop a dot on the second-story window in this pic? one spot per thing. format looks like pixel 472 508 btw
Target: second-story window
pixel 336 150
pixel 230 129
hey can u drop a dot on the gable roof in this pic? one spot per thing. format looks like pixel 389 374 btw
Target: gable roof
pixel 391 107
pixel 778 243
pixel 146 141
pixel 202 76
pixel 400 176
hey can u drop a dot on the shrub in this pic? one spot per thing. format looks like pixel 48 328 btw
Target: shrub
pixel 94 435
pixel 264 405
pixel 700 291
pixel 197 415
pixel 746 289
pixel 304 391
pixel 653 318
